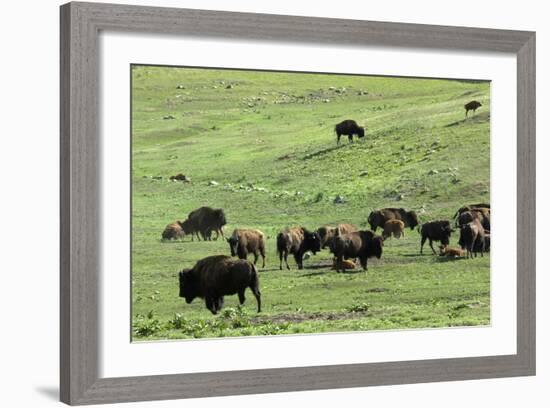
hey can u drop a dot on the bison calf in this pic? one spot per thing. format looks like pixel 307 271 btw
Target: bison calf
pixel 296 241
pixel 395 228
pixel 245 241
pixel 173 231
pixel 215 276
pixel 445 250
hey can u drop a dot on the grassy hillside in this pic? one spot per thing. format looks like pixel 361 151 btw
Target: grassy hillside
pixel 267 142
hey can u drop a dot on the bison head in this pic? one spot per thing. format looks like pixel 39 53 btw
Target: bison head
pixel 375 247
pixel 220 216
pixel 325 234
pixel 233 244
pixel 413 219
pixel 375 220
pixel 312 242
pixel 361 132
pixel 188 285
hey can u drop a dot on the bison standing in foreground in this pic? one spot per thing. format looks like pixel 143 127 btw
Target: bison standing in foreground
pixel 245 241
pixel 379 218
pixel 358 244
pixel 216 276
pixel 348 127
pixel 472 106
pixel 435 231
pixel 296 241
pixel 205 220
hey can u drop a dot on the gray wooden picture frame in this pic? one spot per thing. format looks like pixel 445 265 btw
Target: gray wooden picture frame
pixel 81 24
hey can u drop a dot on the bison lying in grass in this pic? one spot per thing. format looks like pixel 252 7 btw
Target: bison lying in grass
pixel 178 230
pixel 358 244
pixel 435 231
pixel 216 276
pixel 296 241
pixel 245 241
pixel 379 217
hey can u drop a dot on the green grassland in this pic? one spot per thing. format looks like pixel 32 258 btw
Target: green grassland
pixel 267 141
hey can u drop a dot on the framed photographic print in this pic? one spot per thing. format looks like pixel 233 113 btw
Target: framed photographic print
pixel 356 197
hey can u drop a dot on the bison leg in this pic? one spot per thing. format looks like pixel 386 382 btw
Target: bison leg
pixel 363 261
pixel 338 138
pixel 258 297
pixel 298 257
pixel 262 252
pixel 432 246
pixel 422 242
pixel 286 260
pixel 211 304
pixel 241 297
pixel 255 257
pixel 350 138
pixel 340 264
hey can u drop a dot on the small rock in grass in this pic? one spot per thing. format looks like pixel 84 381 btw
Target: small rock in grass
pixel 213 183
pixel 339 200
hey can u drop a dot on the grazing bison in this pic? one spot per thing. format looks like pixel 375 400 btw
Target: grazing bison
pixel 378 218
pixel 472 235
pixel 245 241
pixel 348 127
pixel 445 250
pixel 296 241
pixel 358 244
pixel 205 220
pixel 435 231
pixel 395 228
pixel 472 106
pixel 327 233
pixel 216 276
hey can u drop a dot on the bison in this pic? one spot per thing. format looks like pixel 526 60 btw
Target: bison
pixel 173 231
pixel 327 233
pixel 470 207
pixel 245 241
pixel 472 236
pixel 358 244
pixel 395 228
pixel 445 250
pixel 348 127
pixel 216 276
pixel 379 217
pixel 481 214
pixel 435 231
pixel 472 106
pixel 296 241
pixel 205 220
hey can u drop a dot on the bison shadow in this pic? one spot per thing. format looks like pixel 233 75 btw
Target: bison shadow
pixel 476 118
pixel 328 150
pixel 450 258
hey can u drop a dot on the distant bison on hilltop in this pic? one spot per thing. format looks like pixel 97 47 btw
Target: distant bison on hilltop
pixel 348 127
pixel 216 276
pixel 296 241
pixel 245 241
pixel 205 220
pixel 358 244
pixel 379 218
pixel 472 106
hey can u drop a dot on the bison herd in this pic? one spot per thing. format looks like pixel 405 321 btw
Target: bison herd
pixel 213 277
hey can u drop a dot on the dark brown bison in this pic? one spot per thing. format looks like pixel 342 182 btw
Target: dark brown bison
pixel 470 207
pixel 216 276
pixel 205 220
pixel 472 106
pixel 472 236
pixel 348 127
pixel 395 228
pixel 358 244
pixel 296 241
pixel 327 233
pixel 245 241
pixel 435 231
pixel 379 217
